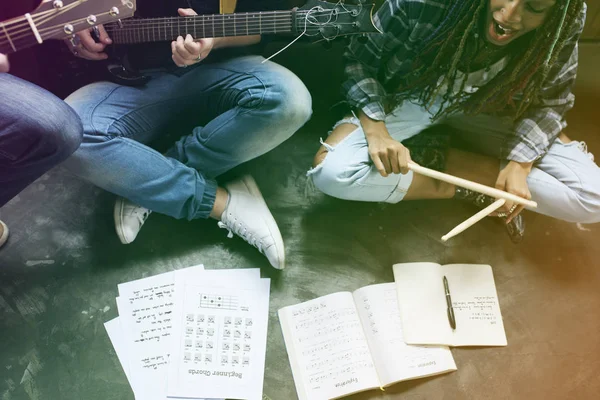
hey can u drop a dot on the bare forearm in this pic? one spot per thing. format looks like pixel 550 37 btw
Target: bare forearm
pixel 372 127
pixel 235 41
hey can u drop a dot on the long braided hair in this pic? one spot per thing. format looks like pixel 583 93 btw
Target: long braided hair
pixel 443 52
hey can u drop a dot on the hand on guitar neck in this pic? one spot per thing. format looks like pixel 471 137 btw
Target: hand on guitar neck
pixel 83 44
pixel 4 66
pixel 186 51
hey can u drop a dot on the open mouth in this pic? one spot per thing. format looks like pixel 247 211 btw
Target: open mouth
pixel 501 33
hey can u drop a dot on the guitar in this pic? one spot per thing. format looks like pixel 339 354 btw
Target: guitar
pixel 318 20
pixel 60 19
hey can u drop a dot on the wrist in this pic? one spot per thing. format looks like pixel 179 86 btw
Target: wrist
pixel 526 166
pixel 216 43
pixel 371 127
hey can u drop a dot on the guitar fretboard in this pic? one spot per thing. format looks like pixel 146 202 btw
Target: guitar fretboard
pixel 140 30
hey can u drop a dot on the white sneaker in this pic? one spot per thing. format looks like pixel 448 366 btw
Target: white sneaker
pixel 248 216
pixel 4 235
pixel 129 219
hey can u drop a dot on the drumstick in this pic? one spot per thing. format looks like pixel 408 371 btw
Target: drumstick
pixel 471 221
pixel 493 192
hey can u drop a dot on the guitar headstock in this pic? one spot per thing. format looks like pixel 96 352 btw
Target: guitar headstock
pixel 322 20
pixel 60 19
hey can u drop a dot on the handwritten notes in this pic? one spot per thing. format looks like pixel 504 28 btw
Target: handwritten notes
pixel 423 307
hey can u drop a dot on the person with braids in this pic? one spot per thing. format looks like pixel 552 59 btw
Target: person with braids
pixel 499 73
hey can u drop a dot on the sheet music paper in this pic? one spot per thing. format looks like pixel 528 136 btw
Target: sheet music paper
pixel 219 343
pixel 146 312
pixel 115 334
pixel 327 348
pixel 395 360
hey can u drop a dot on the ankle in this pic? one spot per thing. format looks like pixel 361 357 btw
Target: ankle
pixel 221 201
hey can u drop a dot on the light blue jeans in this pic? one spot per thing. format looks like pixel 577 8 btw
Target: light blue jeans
pixel 236 110
pixel 565 182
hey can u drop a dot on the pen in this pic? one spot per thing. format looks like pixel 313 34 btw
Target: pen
pixel 451 318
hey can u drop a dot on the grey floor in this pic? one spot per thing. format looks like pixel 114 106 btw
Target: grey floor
pixel 59 274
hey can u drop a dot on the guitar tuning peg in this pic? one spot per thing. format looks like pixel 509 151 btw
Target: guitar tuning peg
pixel 362 39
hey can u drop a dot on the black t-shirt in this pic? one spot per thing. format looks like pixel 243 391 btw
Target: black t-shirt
pixel 158 55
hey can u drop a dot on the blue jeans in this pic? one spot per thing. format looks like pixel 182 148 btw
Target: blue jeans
pixel 241 108
pixel 565 182
pixel 37 132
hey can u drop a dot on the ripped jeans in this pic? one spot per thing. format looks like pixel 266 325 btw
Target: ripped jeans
pixel 565 182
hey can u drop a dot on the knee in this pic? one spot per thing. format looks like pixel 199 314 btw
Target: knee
pixel 53 134
pixel 333 176
pixel 588 207
pixel 290 101
pixel 65 133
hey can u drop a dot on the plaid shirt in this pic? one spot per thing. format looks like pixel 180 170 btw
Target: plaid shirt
pixel 372 66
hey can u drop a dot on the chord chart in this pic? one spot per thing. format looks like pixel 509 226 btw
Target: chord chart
pixel 218 301
pixel 217 340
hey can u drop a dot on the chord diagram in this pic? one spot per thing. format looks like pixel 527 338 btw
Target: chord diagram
pixel 198 357
pixel 218 301
pixel 187 357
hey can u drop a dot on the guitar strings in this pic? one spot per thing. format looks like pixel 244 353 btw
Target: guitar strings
pixel 281 21
pixel 140 23
pixel 307 20
pixel 38 18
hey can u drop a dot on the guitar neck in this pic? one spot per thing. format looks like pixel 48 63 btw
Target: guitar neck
pixel 59 20
pixel 144 30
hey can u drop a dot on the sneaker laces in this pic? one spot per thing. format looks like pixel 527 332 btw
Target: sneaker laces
pixel 239 229
pixel 141 214
pixel 583 147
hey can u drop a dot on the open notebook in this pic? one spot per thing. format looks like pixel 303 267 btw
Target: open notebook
pixel 424 311
pixel 345 343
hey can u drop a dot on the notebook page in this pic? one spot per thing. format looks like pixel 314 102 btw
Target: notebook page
pixel 327 348
pixel 476 306
pixel 394 360
pixel 422 302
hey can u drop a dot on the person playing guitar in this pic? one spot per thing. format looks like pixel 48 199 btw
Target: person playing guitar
pixel 226 105
pixel 33 139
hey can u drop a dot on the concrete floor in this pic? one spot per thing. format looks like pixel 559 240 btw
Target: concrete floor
pixel 60 270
